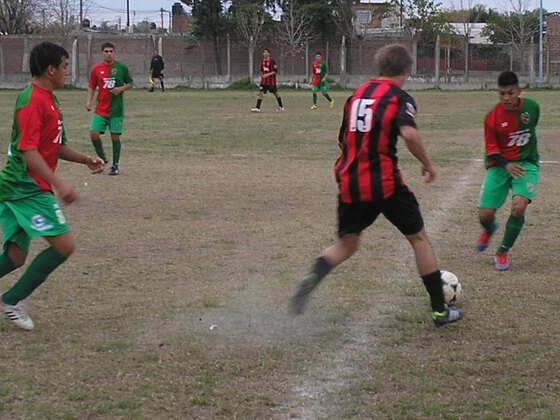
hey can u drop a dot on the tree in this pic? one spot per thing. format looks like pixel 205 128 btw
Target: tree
pixel 210 22
pixel 16 16
pixel 62 16
pixel 294 29
pixel 517 27
pixel 250 17
pixel 425 20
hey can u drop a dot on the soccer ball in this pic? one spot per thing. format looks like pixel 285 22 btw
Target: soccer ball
pixel 451 286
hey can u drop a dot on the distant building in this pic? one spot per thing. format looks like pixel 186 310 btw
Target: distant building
pixel 553 43
pixel 474 31
pixel 179 19
pixel 369 16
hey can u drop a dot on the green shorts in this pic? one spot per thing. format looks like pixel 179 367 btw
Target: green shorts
pixel 498 182
pixel 27 218
pixel 99 124
pixel 323 87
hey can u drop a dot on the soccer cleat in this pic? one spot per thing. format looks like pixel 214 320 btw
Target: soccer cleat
pixel 502 261
pixel 18 315
pixel 331 103
pixel 255 110
pixel 299 300
pixel 114 170
pixel 448 316
pixel 483 240
pixel 313 107
pixel 280 109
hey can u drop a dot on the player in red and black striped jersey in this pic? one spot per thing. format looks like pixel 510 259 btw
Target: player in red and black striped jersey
pixel 370 181
pixel 269 69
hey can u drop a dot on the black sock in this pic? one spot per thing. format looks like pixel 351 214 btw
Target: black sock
pixel 321 268
pixel 279 99
pixel 434 286
pixel 328 97
pixel 259 102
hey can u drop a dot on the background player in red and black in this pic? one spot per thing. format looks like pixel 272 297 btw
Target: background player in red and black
pixel 370 181
pixel 268 81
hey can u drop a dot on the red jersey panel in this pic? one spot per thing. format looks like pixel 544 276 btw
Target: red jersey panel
pixel 368 168
pixel 41 128
pixel 268 66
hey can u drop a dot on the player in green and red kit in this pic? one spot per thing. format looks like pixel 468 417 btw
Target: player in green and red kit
pixel 28 207
pixel 512 161
pixel 112 78
pixel 319 81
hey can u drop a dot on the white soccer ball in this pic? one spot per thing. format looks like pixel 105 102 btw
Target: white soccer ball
pixel 451 286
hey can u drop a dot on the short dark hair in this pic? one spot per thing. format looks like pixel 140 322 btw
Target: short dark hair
pixel 393 60
pixel 508 78
pixel 107 45
pixel 318 53
pixel 44 55
pixel 267 50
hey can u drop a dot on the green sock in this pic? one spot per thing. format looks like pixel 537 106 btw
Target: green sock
pixel 314 99
pixel 328 97
pixel 39 269
pixel 98 146
pixel 6 265
pixel 116 152
pixel 513 228
pixel 490 226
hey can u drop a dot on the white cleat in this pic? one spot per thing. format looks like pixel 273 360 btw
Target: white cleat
pixel 18 315
pixel 255 110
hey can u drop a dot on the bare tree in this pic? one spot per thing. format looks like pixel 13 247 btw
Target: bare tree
pixel 62 16
pixel 295 29
pixel 249 19
pixel 16 16
pixel 468 15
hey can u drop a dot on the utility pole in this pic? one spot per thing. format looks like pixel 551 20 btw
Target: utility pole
pixel 127 16
pixel 541 18
pixel 81 14
pixel 161 13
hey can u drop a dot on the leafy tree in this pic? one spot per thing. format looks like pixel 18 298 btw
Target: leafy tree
pixel 210 22
pixel 425 19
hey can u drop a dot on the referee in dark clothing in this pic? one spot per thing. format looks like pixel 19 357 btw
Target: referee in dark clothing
pixel 156 71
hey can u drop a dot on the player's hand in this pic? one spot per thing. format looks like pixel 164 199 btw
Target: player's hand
pixel 116 91
pixel 429 173
pixel 88 106
pixel 67 193
pixel 515 170
pixel 95 164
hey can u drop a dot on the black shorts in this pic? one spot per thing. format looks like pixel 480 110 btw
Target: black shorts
pixel 401 209
pixel 268 88
pixel 157 75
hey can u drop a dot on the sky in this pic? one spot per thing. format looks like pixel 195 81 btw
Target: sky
pixel 112 10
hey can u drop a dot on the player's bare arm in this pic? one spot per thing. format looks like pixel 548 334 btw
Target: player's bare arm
pixel 118 90
pixel 91 93
pixel 94 163
pixel 37 164
pixel 414 143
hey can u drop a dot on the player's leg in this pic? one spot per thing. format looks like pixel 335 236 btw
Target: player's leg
pixel 116 126
pixel 523 190
pixel 16 242
pixel 325 92
pixel 97 127
pixel 39 216
pixel 279 100
pixel 493 195
pixel 260 96
pixel 152 82
pixel 403 211
pixel 161 82
pixel 314 90
pixel 352 220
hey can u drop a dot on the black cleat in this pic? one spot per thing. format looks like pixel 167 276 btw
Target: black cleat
pixel 448 316
pixel 114 170
pixel 298 301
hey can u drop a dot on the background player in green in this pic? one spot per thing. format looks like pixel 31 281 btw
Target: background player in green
pixel 111 78
pixel 319 81
pixel 512 161
pixel 28 207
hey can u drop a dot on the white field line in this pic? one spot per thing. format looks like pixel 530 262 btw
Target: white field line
pixel 315 394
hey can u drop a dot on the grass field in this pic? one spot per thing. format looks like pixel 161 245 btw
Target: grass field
pixel 216 215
